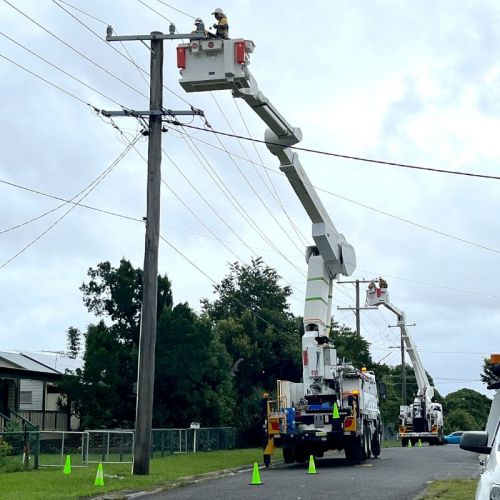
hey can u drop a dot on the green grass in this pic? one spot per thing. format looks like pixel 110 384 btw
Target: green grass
pixel 51 483
pixel 451 489
pixel 391 443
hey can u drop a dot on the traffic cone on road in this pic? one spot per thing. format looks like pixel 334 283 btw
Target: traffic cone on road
pixel 409 443
pixel 419 443
pixel 256 475
pixel 99 478
pixel 67 465
pixel 312 467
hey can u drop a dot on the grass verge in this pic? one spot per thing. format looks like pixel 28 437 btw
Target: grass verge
pixel 51 483
pixel 451 489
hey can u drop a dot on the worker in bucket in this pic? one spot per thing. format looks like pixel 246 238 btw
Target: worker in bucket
pixel 200 27
pixel 221 26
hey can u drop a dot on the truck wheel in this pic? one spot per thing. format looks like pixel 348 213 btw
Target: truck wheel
pixel 404 442
pixel 376 444
pixel 288 456
pixel 365 445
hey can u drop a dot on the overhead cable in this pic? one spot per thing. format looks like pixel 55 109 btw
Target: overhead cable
pixel 382 212
pixel 83 193
pixel 347 157
pixel 66 201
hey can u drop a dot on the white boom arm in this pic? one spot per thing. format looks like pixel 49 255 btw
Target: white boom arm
pixel 376 296
pixel 208 65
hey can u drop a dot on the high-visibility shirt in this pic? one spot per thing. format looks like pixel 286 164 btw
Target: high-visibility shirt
pixel 222 32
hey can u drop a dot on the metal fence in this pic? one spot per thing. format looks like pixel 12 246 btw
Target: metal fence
pixel 50 448
pixel 110 446
pixel 170 441
pixel 19 450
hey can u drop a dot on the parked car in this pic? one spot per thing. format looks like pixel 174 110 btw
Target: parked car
pixel 488 486
pixel 454 437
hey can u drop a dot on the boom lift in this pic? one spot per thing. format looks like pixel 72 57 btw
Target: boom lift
pixel 423 419
pixel 336 405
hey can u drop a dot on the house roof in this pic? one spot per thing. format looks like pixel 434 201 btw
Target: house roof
pixel 44 363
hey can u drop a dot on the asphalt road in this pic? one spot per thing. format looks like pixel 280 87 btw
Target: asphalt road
pixel 399 474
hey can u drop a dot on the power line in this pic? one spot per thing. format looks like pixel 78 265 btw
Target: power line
pixel 250 184
pixel 84 13
pixel 216 213
pixel 76 50
pixel 155 11
pixel 237 205
pixel 66 201
pixel 347 157
pixel 47 81
pixel 88 190
pixel 301 237
pixel 354 202
pixel 435 285
pixel 175 8
pixel 61 70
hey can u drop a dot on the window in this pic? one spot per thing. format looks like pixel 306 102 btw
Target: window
pixel 26 397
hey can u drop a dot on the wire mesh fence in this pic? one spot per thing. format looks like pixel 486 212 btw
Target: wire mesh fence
pixel 33 449
pixel 170 441
pixel 18 450
pixel 110 446
pixel 55 446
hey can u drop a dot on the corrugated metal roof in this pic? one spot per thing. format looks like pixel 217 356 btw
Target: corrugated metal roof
pixel 55 361
pixel 25 363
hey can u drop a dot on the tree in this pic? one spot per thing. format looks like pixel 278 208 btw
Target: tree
pixel 351 346
pixel 252 319
pixel 473 403
pixel 73 342
pixel 102 393
pixel 491 374
pixel 193 379
pixel 460 420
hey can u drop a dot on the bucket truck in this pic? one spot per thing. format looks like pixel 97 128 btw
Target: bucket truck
pixel 423 419
pixel 336 404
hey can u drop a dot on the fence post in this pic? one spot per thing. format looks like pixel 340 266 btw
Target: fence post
pixel 37 451
pixel 107 447
pixel 121 447
pixel 62 450
pixel 162 444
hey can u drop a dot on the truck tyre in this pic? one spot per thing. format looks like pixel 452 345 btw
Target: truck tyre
pixel 365 446
pixel 404 442
pixel 376 444
pixel 288 456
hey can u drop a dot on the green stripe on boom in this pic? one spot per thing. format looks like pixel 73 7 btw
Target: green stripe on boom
pixel 318 279
pixel 310 299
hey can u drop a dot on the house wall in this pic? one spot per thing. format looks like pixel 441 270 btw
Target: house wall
pixel 36 389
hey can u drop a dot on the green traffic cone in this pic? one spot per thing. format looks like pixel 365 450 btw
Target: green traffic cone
pixel 419 443
pixel 255 476
pixel 67 465
pixel 409 443
pixel 312 467
pixel 335 411
pixel 99 478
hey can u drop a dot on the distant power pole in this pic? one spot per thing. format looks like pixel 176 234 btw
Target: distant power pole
pixel 358 308
pixel 403 364
pixel 146 361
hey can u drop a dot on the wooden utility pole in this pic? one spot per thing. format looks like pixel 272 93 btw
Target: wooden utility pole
pixel 147 341
pixel 357 310
pixel 403 371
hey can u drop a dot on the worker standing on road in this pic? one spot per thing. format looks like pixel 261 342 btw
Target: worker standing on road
pixel 221 26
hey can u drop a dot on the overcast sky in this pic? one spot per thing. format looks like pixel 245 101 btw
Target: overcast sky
pixel 405 82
